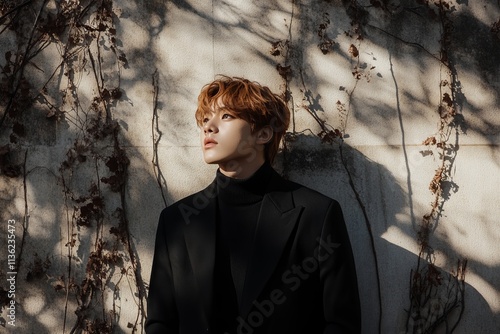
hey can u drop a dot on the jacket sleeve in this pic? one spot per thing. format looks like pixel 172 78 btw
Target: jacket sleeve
pixel 162 312
pixel 338 276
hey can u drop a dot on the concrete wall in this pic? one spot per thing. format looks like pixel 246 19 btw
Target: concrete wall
pixel 86 198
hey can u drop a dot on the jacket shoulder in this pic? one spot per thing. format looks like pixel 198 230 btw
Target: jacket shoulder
pixel 306 196
pixel 187 206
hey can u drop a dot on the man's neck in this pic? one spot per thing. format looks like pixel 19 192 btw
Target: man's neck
pixel 237 170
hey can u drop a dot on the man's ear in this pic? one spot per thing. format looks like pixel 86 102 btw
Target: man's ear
pixel 264 135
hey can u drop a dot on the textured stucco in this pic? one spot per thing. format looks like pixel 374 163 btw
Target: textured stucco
pixel 381 169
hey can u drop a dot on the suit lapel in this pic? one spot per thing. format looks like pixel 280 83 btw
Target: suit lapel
pixel 200 243
pixel 277 220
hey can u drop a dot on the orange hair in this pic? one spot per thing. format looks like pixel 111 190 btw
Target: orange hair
pixel 250 101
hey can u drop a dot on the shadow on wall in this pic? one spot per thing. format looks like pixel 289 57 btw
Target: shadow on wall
pixel 80 252
pixel 374 190
pixel 76 248
pixel 69 169
pixel 48 283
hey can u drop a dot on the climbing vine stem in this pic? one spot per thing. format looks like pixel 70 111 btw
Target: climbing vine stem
pixel 93 175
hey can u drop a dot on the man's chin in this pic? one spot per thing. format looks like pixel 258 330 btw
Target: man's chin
pixel 211 160
pixel 214 159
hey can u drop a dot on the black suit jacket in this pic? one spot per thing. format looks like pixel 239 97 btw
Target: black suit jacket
pixel 301 277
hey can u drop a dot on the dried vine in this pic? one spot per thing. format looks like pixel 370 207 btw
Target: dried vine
pixel 435 296
pixel 84 34
pixel 156 134
pixel 329 134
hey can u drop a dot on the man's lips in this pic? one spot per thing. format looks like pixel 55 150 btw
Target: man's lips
pixel 209 142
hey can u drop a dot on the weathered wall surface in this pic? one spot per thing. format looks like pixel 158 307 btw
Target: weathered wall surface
pixel 395 114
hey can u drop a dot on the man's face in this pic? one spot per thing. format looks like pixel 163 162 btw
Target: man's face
pixel 226 139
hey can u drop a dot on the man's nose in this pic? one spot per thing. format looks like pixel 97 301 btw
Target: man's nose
pixel 210 126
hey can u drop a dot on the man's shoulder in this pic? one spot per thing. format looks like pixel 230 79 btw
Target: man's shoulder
pixel 195 202
pixel 304 195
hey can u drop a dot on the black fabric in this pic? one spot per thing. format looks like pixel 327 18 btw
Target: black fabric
pixel 243 192
pixel 300 279
pixel 239 202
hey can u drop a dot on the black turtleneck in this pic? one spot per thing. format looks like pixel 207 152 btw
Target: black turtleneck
pixel 239 202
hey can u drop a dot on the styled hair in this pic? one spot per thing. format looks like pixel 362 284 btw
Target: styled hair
pixel 250 101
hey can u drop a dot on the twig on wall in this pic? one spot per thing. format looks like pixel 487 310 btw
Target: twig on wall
pixel 84 35
pixel 26 217
pixel 17 80
pixel 156 135
pixel 428 309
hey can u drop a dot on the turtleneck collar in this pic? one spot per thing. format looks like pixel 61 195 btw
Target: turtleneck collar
pixel 243 191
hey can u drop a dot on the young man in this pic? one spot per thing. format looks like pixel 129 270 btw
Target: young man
pixel 251 253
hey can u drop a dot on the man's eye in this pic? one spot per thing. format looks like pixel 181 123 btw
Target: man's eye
pixel 205 120
pixel 227 116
